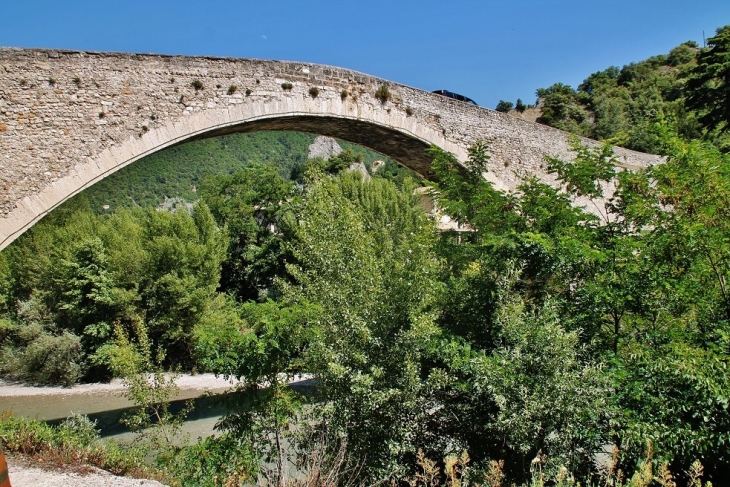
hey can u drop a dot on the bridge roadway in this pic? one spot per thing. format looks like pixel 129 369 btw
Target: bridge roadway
pixel 70 118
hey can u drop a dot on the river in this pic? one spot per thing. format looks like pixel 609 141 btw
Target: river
pixel 105 403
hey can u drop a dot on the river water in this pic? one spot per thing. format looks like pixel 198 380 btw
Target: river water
pixel 106 405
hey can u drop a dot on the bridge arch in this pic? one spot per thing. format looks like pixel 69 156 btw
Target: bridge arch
pixel 70 118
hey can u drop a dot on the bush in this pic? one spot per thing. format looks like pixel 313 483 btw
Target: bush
pixel 287 86
pixel 73 443
pixel 223 460
pixel 197 84
pixel 343 95
pixel 520 106
pixel 46 359
pixel 504 106
pixel 313 91
pixel 232 89
pixel 383 94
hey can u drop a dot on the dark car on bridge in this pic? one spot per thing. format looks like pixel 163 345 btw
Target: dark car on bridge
pixel 455 96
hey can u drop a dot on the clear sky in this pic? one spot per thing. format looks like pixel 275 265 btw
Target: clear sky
pixel 485 49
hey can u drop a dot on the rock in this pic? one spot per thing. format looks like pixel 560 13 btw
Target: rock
pixel 360 167
pixel 324 147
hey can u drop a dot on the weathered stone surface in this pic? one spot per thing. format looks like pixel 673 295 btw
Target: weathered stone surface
pixel 324 147
pixel 71 118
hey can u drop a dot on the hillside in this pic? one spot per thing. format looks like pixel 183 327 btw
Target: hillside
pixel 177 172
pixel 623 105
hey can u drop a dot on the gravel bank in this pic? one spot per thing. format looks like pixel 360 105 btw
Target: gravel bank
pixel 24 474
pixel 186 382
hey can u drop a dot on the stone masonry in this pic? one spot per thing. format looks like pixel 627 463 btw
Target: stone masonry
pixel 70 118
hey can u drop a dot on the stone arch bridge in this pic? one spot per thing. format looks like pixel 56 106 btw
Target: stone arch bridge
pixel 70 118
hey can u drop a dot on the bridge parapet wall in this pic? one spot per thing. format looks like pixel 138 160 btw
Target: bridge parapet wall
pixel 69 118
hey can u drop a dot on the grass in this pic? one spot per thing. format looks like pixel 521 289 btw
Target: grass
pixel 383 94
pixel 74 444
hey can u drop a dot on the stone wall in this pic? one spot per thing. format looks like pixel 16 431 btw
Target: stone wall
pixel 70 118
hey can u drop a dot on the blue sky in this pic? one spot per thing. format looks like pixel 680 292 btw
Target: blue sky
pixel 487 50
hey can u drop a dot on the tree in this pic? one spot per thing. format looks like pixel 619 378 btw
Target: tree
pixel 248 205
pixel 363 254
pixel 504 106
pixel 708 83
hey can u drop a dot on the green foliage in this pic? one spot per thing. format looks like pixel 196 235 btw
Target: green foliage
pixel 159 267
pixel 504 106
pixel 232 89
pixel 287 86
pixel 40 357
pixel 382 94
pixel 313 91
pixel 213 461
pixel 248 205
pixel 148 388
pixel 622 105
pixel 362 253
pixel 197 84
pixel 181 170
pixel 75 442
pixel 708 83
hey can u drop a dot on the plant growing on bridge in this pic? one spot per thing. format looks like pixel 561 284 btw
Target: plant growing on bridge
pixel 383 94
pixel 286 86
pixel 313 91
pixel 197 84
pixel 232 89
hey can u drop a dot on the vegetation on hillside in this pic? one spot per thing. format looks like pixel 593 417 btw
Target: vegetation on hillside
pixel 178 172
pixel 687 88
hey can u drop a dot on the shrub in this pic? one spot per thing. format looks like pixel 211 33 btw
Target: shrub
pixel 232 89
pixel 409 111
pixel 313 91
pixel 520 106
pixel 504 106
pixel 74 443
pixel 51 81
pixel 383 94
pixel 343 94
pixel 286 86
pixel 248 91
pixel 46 359
pixel 197 84
pixel 102 114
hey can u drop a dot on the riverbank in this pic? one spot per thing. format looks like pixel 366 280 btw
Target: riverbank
pixel 186 382
pixel 24 472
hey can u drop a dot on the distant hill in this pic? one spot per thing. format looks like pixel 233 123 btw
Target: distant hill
pixel 178 171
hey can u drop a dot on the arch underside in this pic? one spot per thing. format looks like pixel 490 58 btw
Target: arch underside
pixel 402 148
